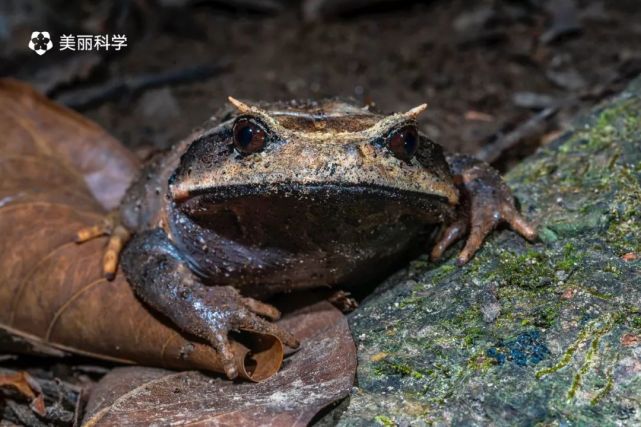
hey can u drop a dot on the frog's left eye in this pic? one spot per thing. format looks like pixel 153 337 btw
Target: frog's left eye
pixel 403 142
pixel 249 135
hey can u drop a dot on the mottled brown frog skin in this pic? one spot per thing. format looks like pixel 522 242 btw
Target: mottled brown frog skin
pixel 283 197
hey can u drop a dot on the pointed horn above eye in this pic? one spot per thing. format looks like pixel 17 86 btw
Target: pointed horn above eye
pixel 416 111
pixel 240 106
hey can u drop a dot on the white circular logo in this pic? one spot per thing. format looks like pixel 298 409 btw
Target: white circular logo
pixel 40 42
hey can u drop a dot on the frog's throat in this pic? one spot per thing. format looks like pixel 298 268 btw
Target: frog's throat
pixel 433 208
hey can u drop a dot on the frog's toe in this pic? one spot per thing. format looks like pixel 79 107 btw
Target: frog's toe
pixel 248 321
pixel 118 236
pixel 220 342
pixel 105 228
pixel 520 224
pixel 474 242
pixel 89 233
pixel 117 241
pixel 449 236
pixel 261 308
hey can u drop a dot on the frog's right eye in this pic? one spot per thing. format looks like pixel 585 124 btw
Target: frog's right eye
pixel 403 142
pixel 250 136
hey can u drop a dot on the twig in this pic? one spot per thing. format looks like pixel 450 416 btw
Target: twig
pixel 260 6
pixel 72 70
pixel 314 10
pixel 89 97
pixel 7 357
pixel 535 125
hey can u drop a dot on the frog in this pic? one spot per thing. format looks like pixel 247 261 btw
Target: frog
pixel 289 196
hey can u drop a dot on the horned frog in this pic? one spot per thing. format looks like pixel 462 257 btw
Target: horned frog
pixel 288 196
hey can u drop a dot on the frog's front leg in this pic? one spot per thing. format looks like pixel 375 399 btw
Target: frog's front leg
pixel 162 279
pixel 485 201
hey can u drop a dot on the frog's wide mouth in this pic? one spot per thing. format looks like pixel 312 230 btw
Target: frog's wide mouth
pixel 433 208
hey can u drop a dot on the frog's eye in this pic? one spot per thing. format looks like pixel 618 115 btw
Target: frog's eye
pixel 249 135
pixel 403 142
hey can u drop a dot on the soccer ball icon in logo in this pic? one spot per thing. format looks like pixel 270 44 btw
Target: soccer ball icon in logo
pixel 40 42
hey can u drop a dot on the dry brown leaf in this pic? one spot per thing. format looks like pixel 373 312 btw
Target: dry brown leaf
pixel 54 299
pixel 22 383
pixel 314 377
pixel 35 128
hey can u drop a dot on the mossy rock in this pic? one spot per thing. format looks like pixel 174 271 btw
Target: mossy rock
pixel 525 334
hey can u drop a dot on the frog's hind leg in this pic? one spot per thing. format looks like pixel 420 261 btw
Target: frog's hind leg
pixel 118 236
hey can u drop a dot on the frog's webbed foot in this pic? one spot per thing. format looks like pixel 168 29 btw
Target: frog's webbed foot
pixel 226 310
pixel 486 201
pixel 118 236
pixel 211 312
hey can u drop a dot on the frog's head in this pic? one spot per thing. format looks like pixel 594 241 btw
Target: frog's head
pixel 330 152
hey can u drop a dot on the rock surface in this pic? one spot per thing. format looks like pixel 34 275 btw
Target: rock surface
pixel 524 334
